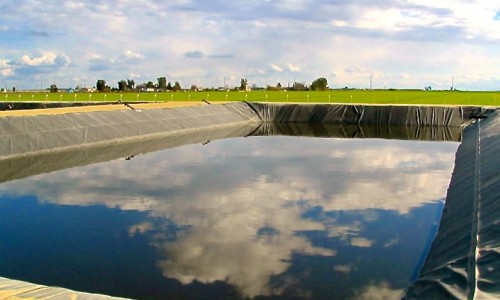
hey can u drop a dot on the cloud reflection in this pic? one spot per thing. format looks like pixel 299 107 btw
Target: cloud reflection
pixel 361 242
pixel 224 253
pixel 243 202
pixel 381 291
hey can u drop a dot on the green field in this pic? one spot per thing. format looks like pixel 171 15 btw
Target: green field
pixel 333 96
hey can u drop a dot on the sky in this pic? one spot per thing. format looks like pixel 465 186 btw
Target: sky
pixel 395 43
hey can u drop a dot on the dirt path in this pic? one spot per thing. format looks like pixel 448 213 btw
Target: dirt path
pixel 76 109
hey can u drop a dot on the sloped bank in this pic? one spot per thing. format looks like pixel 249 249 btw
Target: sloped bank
pixel 367 114
pixel 464 259
pixel 30 134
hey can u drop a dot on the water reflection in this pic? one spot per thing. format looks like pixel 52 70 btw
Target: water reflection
pixel 283 216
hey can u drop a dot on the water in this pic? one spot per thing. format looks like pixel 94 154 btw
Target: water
pixel 259 217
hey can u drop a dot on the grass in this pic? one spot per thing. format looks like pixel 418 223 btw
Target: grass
pixel 333 96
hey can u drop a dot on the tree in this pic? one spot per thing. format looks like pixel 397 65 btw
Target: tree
pixel 162 83
pixel 169 86
pixel 244 84
pixel 274 88
pixel 100 85
pixel 150 85
pixel 320 84
pixel 130 84
pixel 53 88
pixel 194 87
pixel 122 85
pixel 177 86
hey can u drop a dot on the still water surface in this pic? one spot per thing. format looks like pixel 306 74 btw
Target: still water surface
pixel 259 217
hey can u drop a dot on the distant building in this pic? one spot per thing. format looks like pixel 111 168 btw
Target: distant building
pixel 146 89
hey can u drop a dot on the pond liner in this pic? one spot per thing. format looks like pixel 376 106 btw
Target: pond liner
pixel 367 114
pixel 464 259
pixel 27 134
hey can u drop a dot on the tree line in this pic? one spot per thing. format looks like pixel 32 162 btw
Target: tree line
pixel 320 84
pixel 162 85
pixel 129 85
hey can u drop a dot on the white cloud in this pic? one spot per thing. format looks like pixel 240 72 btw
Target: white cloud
pixel 398 19
pixel 476 17
pixel 102 7
pixel 74 5
pixel 134 76
pixel 45 59
pixel 7 72
pixel 129 54
pixel 33 65
pixel 93 56
pixel 293 68
pixel 5 69
pixel 276 68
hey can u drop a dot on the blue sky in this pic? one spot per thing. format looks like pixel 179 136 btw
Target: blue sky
pixel 400 43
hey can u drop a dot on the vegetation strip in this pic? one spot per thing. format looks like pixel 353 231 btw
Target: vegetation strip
pixel 407 97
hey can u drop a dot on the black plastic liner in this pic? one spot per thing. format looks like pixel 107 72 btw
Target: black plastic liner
pixel 464 259
pixel 364 114
pixel 28 134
